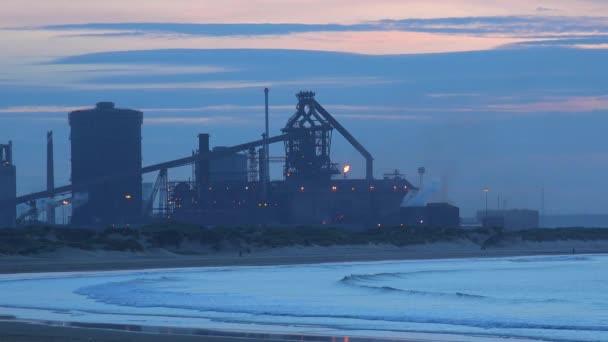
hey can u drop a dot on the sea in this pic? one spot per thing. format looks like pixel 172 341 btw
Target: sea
pixel 547 298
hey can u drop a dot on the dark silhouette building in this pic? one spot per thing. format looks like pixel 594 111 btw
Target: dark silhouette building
pixel 438 215
pixel 511 219
pixel 106 164
pixel 8 186
pixel 231 185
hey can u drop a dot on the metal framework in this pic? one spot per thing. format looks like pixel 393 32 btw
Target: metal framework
pixel 307 150
pixel 252 165
pixel 159 184
pixel 308 147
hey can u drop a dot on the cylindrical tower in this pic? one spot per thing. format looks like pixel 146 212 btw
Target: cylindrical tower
pixel 106 164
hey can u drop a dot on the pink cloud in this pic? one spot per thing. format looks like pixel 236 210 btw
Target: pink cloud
pixel 19 12
pixel 560 105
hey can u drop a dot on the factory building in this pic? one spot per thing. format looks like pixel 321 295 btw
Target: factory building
pixel 8 186
pixel 106 164
pixel 313 189
pixel 231 185
pixel 513 219
pixel 436 215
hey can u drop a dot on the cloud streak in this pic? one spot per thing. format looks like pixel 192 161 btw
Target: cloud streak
pixel 528 26
pixel 19 12
pixel 240 114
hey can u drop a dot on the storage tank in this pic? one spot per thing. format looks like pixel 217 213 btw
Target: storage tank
pixel 106 164
pixel 8 186
pixel 231 168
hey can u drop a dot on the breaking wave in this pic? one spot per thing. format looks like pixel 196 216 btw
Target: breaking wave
pixel 367 281
pixel 363 280
pixel 135 294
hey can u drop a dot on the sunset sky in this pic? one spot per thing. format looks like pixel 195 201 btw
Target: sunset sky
pixel 507 94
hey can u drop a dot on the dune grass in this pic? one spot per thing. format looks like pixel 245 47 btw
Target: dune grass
pixel 172 236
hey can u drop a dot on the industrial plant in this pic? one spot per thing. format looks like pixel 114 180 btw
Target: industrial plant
pixel 231 184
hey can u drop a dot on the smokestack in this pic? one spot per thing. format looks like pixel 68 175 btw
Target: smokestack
pixel 50 178
pixel 266 149
pixel 202 168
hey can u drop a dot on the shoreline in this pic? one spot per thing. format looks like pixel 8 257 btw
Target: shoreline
pixel 81 261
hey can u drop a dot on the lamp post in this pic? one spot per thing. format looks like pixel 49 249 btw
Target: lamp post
pixel 128 198
pixel 65 202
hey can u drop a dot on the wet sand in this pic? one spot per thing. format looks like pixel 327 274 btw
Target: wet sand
pixel 55 331
pixel 81 332
pixel 28 332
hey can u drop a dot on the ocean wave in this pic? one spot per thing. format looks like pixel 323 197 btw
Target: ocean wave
pixel 136 294
pixel 422 293
pixel 390 275
pixel 367 281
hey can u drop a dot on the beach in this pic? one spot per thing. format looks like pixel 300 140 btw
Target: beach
pixel 69 260
pixel 66 260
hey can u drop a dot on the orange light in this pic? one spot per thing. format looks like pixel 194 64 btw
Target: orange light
pixel 128 196
pixel 334 188
pixel 65 202
pixel 346 168
pixel 372 188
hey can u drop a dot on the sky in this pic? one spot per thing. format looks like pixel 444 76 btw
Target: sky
pixel 512 95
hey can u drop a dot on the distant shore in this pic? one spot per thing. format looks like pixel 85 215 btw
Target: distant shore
pixel 71 260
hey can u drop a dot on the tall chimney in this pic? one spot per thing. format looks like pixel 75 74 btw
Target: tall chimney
pixel 266 149
pixel 202 168
pixel 50 178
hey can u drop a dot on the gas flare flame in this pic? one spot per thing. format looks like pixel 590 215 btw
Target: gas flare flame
pixel 346 168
